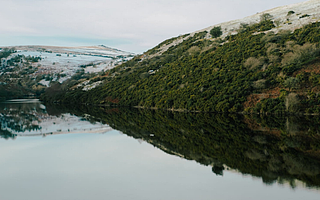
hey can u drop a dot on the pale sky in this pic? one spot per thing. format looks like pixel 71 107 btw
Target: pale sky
pixel 129 25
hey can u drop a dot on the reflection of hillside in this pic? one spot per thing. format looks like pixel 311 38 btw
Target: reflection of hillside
pixel 227 142
pixel 17 118
pixel 30 118
pixel 60 132
pixel 281 150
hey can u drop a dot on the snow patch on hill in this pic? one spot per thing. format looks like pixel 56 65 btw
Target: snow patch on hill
pixel 62 63
pixel 280 15
pixel 303 13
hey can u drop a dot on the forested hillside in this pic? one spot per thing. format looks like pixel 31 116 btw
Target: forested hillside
pixel 256 70
pixel 8 90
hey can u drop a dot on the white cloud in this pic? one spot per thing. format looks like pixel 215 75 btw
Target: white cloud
pixel 144 22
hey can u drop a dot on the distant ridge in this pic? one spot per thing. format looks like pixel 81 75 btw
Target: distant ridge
pixel 27 70
pixel 92 50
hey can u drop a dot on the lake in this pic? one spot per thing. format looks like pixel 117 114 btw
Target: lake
pixel 66 153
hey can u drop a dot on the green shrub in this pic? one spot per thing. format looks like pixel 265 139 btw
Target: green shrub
pixel 291 83
pixel 305 15
pixel 265 17
pixel 290 12
pixel 216 32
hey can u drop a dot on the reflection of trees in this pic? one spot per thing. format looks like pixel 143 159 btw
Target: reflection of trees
pixel 276 149
pixel 19 124
pixel 258 146
pixel 6 134
pixel 19 118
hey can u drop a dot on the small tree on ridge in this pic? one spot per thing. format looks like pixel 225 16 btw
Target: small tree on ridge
pixel 216 32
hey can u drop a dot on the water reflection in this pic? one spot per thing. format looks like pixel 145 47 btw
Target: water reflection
pixel 28 117
pixel 284 150
pixel 275 149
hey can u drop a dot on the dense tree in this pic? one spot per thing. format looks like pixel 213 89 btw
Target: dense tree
pixel 216 32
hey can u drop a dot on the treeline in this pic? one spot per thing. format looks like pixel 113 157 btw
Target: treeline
pixel 5 52
pixel 4 89
pixel 16 80
pixel 255 70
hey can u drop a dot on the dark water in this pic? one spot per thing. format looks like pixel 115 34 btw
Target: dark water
pixel 108 153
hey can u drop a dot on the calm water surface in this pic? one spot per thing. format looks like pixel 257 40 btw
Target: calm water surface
pixel 48 154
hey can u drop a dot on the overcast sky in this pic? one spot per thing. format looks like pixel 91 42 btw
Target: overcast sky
pixel 130 25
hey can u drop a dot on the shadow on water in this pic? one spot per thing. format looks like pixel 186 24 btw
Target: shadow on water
pixel 284 150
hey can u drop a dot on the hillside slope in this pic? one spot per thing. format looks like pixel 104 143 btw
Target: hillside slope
pixel 303 13
pixel 28 70
pixel 268 62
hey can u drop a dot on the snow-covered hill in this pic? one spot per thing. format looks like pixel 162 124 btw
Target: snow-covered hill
pixel 55 63
pixel 289 17
pixel 67 60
